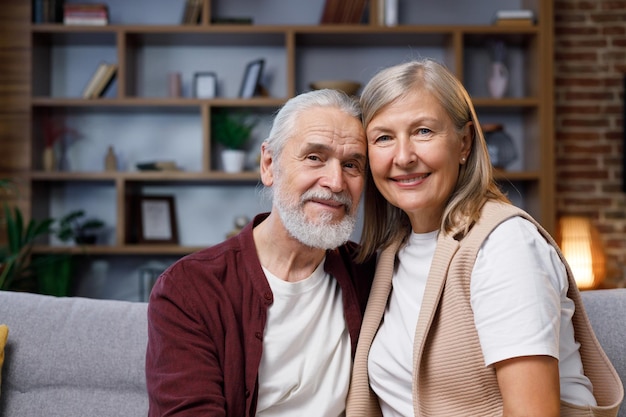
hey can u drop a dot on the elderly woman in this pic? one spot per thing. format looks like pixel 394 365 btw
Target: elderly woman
pixel 473 311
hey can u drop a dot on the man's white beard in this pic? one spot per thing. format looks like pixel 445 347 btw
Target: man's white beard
pixel 323 233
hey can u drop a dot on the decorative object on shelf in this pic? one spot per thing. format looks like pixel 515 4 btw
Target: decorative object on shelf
pixel 174 84
pixel 233 160
pixel 233 131
pixel 232 20
pixel 391 12
pixel 72 227
pixel 500 145
pixel 205 85
pixel 251 78
pixel 498 80
pixel 239 223
pixel 49 159
pixel 582 247
pixel 110 160
pixel 156 219
pixel 347 86
pixel 57 138
pixel 158 166
pixel 514 17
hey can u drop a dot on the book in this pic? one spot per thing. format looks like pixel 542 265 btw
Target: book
pixel 192 13
pixel 86 14
pixel 105 81
pixel 343 11
pixel 95 78
pixel 47 11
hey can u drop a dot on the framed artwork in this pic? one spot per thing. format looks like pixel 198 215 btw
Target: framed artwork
pixel 205 85
pixel 157 219
pixel 251 78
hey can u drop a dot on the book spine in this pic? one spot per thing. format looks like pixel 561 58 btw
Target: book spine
pixel 93 81
pixel 38 11
pixel 85 21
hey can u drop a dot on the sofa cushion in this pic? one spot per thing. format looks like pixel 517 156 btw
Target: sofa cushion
pixel 73 357
pixel 4 333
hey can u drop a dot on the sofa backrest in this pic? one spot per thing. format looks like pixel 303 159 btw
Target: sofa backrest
pixel 73 357
pixel 607 313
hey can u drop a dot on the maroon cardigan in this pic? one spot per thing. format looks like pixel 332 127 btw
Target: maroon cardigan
pixel 206 319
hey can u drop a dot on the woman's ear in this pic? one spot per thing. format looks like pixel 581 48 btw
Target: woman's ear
pixel 266 166
pixel 467 139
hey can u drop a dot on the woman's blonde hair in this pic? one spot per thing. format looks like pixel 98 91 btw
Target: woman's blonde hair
pixel 383 222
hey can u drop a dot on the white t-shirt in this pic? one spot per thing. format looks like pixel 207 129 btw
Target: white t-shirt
pixel 519 298
pixel 306 362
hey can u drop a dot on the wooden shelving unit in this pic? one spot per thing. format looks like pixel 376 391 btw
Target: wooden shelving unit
pixel 297 54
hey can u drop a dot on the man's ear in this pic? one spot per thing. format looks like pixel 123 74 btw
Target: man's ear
pixel 266 166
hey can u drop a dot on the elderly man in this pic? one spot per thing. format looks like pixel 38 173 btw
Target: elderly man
pixel 266 323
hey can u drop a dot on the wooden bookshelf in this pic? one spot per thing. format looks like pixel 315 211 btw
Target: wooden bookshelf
pixel 297 54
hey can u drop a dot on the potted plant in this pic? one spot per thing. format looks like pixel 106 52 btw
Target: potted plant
pixel 82 231
pixel 233 131
pixel 47 273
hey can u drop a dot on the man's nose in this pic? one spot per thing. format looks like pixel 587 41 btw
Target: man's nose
pixel 333 177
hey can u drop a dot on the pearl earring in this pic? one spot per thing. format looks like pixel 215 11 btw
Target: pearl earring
pixel 463 160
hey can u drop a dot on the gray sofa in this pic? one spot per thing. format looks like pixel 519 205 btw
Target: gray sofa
pixel 70 357
pixel 82 357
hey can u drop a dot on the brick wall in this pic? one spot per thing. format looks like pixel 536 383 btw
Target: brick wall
pixel 589 66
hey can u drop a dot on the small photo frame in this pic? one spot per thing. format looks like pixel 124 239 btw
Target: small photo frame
pixel 205 85
pixel 157 219
pixel 251 78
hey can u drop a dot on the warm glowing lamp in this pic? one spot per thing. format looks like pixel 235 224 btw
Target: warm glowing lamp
pixel 580 243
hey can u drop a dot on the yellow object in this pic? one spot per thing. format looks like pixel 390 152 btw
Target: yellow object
pixel 580 243
pixel 4 333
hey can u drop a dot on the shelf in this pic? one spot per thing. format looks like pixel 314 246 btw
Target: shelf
pixel 164 103
pixel 88 250
pixel 141 122
pixel 147 176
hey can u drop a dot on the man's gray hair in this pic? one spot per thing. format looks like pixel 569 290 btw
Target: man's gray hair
pixel 284 125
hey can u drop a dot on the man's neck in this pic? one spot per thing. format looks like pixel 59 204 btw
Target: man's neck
pixel 283 255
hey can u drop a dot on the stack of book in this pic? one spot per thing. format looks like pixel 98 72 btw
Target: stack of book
pixel 86 14
pixel 343 11
pixel 100 80
pixel 47 11
pixel 192 14
pixel 519 17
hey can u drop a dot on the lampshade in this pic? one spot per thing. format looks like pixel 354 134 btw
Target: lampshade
pixel 580 243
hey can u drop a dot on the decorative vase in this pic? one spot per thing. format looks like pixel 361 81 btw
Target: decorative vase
pixel 498 79
pixel 233 160
pixel 49 159
pixel 501 148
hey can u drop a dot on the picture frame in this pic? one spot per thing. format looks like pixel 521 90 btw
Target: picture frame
pixel 156 219
pixel 251 78
pixel 205 85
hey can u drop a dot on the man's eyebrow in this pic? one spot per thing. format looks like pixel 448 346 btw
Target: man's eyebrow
pixel 320 147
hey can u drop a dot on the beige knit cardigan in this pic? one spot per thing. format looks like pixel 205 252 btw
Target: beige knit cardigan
pixel 449 375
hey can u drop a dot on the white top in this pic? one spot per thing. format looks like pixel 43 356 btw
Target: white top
pixel 306 361
pixel 518 294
